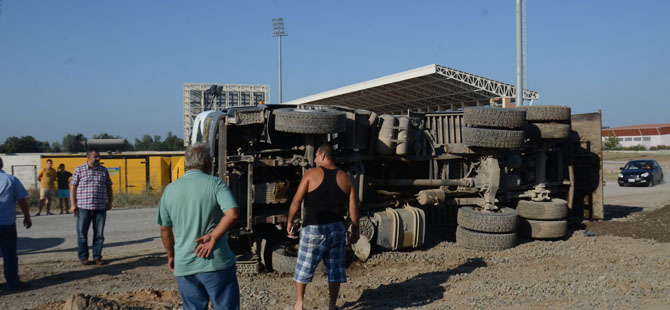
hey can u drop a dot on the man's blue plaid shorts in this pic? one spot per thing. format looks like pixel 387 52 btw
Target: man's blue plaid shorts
pixel 325 242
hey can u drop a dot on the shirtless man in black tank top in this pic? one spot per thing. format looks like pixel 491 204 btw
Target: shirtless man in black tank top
pixel 328 192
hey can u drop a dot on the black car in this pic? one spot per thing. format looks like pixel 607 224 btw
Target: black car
pixel 641 172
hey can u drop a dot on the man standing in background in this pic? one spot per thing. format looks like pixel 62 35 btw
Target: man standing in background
pixel 46 177
pixel 90 198
pixel 63 188
pixel 11 192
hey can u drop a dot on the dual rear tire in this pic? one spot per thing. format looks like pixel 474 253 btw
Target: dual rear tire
pixel 484 230
pixel 543 219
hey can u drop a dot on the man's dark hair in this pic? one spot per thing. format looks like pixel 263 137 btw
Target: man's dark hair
pixel 327 150
pixel 88 152
pixel 0 162
pixel 61 165
pixel 50 161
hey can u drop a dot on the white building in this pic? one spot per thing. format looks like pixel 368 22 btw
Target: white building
pixel 646 135
pixel 23 166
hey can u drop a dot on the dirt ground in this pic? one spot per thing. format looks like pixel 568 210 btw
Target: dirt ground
pixel 622 262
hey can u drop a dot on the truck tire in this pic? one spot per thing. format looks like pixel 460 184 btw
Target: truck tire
pixel 309 121
pixel 537 131
pixel 547 113
pixel 555 209
pixel 494 117
pixel 538 229
pixel 476 219
pixel 475 240
pixel 284 262
pixel 492 138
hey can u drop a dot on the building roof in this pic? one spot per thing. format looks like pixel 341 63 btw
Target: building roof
pixel 638 130
pixel 428 88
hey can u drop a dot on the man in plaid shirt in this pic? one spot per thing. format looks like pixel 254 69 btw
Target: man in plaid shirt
pixel 90 198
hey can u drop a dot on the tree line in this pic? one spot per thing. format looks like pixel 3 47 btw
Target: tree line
pixel 74 143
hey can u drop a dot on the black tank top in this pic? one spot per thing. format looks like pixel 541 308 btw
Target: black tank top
pixel 327 203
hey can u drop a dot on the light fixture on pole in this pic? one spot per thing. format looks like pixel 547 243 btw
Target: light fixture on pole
pixel 278 31
pixel 520 57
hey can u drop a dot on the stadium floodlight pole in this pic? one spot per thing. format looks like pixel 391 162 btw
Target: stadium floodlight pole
pixel 519 53
pixel 278 31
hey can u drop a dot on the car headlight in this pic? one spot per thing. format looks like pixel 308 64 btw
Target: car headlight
pixel 644 175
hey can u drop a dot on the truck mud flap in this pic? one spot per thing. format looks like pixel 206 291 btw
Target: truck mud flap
pixel 585 197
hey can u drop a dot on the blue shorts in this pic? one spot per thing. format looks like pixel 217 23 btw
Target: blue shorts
pixel 325 242
pixel 63 194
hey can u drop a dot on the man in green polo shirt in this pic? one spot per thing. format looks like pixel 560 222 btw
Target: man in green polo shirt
pixel 195 214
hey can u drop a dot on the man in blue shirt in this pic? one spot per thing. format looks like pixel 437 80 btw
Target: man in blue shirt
pixel 195 214
pixel 11 192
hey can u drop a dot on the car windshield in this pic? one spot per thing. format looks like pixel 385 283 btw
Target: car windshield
pixel 637 165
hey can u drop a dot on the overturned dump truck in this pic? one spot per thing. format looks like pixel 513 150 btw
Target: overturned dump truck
pixel 496 173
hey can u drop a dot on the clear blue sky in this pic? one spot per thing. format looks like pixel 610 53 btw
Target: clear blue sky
pixel 119 66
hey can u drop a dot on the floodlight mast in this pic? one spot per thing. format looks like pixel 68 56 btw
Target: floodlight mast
pixel 519 52
pixel 278 31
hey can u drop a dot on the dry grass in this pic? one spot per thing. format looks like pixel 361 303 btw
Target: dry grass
pixel 121 201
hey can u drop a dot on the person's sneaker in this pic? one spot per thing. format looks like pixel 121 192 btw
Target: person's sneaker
pixel 61 212
pixel 98 262
pixel 37 214
pixel 84 261
pixel 49 213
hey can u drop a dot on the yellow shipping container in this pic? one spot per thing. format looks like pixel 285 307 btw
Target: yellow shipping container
pixel 132 172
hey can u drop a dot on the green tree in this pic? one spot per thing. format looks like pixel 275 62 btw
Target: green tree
pixel 148 143
pixel 105 135
pixel 55 147
pixel 611 142
pixel 25 144
pixel 173 143
pixel 74 143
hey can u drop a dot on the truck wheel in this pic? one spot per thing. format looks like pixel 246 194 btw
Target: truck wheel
pixel 309 121
pixel 555 209
pixel 547 113
pixel 492 138
pixel 477 219
pixel 536 131
pixel 494 117
pixel 284 262
pixel 475 240
pixel 537 229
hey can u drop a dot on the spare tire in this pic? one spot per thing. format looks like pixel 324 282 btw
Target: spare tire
pixel 494 117
pixel 547 113
pixel 477 219
pixel 492 138
pixel 538 229
pixel 309 121
pixel 543 210
pixel 475 240
pixel 536 131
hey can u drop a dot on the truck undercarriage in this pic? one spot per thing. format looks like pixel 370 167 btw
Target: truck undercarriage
pixel 501 172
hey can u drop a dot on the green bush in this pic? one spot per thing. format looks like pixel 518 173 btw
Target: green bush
pixel 659 147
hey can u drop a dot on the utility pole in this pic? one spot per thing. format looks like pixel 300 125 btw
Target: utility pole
pixel 519 52
pixel 278 31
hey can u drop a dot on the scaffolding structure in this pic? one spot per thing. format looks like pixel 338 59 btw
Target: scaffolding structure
pixel 199 97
